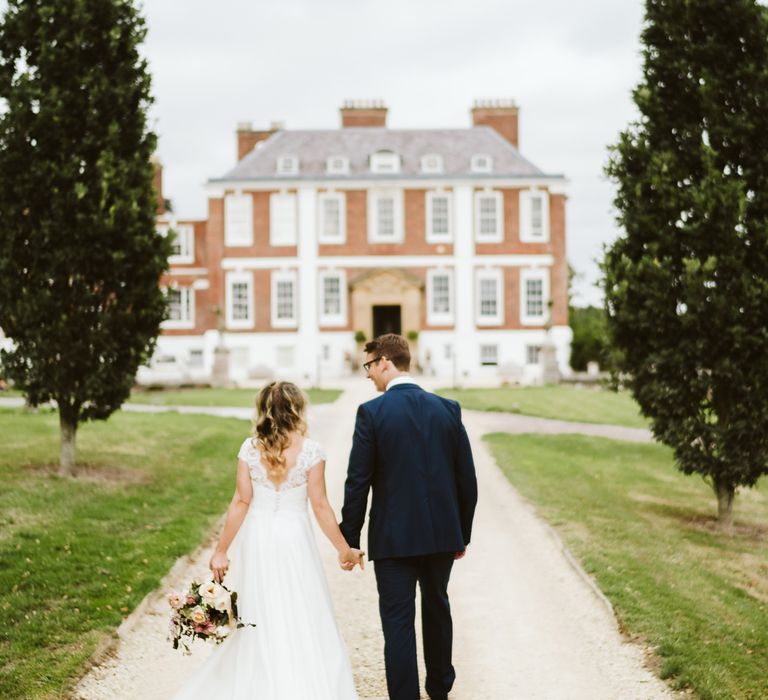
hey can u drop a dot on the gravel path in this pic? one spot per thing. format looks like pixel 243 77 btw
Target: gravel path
pixel 529 623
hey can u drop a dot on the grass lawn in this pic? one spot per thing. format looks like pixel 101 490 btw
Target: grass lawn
pixel 585 405
pixel 77 555
pixel 218 397
pixel 647 534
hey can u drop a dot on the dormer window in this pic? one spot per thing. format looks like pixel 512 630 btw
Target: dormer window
pixel 337 165
pixel 432 163
pixel 287 165
pixel 385 162
pixel 481 163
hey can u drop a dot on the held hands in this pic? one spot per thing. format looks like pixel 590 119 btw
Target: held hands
pixel 349 558
pixel 218 565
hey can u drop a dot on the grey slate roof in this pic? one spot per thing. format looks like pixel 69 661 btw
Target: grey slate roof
pixel 314 147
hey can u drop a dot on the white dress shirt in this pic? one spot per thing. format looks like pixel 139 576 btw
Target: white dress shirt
pixel 402 379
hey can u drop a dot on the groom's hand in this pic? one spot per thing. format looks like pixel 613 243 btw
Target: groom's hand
pixel 350 558
pixel 460 555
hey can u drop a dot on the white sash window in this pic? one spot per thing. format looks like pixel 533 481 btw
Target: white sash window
pixel 238 220
pixel 282 219
pixel 440 297
pixel 534 297
pixel 333 298
pixel 534 216
pixel 489 222
pixel 181 308
pixel 439 217
pixel 385 216
pixel 489 294
pixel 284 300
pixel 239 300
pixel 332 219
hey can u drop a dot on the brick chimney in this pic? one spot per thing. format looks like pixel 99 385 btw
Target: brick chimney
pixel 498 114
pixel 157 181
pixel 363 113
pixel 247 137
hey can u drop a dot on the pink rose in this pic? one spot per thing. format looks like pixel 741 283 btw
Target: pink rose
pixel 175 599
pixel 191 600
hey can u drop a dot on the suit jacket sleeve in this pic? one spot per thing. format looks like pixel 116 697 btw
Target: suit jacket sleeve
pixel 466 480
pixel 362 463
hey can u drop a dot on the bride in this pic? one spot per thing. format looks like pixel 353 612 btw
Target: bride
pixel 295 651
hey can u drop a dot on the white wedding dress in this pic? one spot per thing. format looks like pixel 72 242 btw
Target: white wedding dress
pixel 296 651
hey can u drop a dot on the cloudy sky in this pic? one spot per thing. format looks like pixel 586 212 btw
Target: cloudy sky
pixel 569 65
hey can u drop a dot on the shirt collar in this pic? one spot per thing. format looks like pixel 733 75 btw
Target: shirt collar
pixel 403 379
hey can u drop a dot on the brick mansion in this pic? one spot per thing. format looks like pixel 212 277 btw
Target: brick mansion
pixel 318 239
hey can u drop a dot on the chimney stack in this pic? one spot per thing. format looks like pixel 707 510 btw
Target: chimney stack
pixel 247 137
pixel 363 113
pixel 501 115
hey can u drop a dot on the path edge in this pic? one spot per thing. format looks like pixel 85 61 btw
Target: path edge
pixel 107 648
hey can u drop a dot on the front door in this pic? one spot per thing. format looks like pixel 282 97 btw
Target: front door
pixel 386 319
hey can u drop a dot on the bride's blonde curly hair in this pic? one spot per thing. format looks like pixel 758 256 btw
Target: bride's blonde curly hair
pixel 280 408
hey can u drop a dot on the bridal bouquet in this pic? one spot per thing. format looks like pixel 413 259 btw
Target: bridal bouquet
pixel 206 610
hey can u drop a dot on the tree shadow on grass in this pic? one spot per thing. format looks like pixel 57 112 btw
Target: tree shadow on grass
pixel 697 522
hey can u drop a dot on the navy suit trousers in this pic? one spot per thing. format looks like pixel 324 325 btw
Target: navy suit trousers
pixel 396 579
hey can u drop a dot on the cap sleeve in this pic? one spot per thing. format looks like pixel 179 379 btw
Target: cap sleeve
pixel 246 449
pixel 316 453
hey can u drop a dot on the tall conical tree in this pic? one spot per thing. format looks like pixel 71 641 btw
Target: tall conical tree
pixel 686 285
pixel 80 259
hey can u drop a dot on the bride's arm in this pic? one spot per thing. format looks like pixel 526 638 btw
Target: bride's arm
pixel 326 518
pixel 238 508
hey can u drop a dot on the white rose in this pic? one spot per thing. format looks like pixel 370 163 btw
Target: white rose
pixel 211 591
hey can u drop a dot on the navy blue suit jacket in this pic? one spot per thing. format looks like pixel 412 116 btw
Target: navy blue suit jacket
pixel 410 447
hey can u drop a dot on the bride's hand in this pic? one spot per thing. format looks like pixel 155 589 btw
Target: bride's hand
pixel 351 558
pixel 219 565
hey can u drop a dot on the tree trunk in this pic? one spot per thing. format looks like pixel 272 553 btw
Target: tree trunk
pixel 725 492
pixel 67 450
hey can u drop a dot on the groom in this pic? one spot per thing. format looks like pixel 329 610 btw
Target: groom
pixel 411 448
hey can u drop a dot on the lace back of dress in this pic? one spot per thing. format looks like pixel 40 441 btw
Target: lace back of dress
pixel 309 455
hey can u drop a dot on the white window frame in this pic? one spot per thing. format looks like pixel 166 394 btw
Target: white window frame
pixel 372 215
pixel 189 321
pixel 488 363
pixel 528 349
pixel 279 276
pixel 497 275
pixel 322 237
pixel 239 278
pixel 385 162
pixel 278 238
pixel 498 235
pixel 526 216
pixel 334 320
pixel 440 318
pixel 185 239
pixel 481 163
pixel 332 168
pixel 238 225
pixel 431 236
pixel 534 274
pixel 287 165
pixel 431 163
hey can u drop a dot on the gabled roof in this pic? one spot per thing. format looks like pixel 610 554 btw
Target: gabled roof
pixel 314 147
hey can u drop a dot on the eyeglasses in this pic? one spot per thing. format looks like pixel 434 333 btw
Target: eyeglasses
pixel 367 365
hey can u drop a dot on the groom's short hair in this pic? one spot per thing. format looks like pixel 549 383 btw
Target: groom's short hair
pixel 392 346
